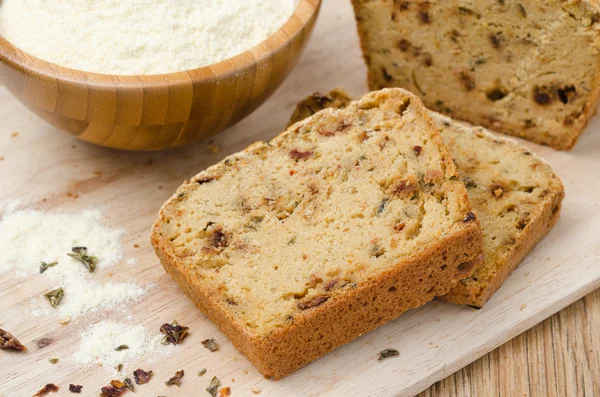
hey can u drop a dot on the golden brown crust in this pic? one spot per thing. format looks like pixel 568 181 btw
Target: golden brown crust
pixel 313 332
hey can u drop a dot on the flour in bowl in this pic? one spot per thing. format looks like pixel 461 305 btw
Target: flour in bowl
pixel 139 37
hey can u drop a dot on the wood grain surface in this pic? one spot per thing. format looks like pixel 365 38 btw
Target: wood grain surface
pixel 160 111
pixel 51 171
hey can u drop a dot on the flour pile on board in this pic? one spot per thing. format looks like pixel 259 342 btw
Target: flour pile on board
pixel 99 345
pixel 29 237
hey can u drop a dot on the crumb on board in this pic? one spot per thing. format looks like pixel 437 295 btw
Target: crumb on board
pixel 213 148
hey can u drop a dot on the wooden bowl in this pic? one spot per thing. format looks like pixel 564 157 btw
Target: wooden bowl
pixel 157 111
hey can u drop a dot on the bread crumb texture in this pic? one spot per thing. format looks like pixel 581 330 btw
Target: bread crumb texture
pixel 528 68
pixel 335 204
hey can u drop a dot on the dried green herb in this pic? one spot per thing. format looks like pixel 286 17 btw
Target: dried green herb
pixel 174 333
pixel 9 342
pixel 129 384
pixel 75 388
pixel 385 353
pixel 44 266
pixel 80 253
pixel 121 347
pixel 522 10
pixel 213 388
pixel 116 389
pixel 54 360
pixel 50 387
pixel 202 372
pixel 120 367
pixel 210 344
pixel 141 377
pixel 175 379
pixel 55 296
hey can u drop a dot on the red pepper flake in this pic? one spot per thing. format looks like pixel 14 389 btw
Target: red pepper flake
pixel 174 333
pixel 9 342
pixel 418 149
pixel 49 388
pixel 141 377
pixel 116 389
pixel 314 302
pixel 399 226
pixel 225 392
pixel 298 155
pixel 75 388
pixel 292 172
pixel 175 379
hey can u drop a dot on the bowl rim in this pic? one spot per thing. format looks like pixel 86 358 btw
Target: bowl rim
pixel 303 13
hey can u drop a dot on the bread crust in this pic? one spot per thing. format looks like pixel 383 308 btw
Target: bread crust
pixel 348 313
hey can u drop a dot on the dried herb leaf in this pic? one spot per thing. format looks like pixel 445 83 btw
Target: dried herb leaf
pixel 121 347
pixel 210 344
pixel 225 392
pixel 116 389
pixel 75 388
pixel 9 342
pixel 50 387
pixel 44 266
pixel 175 379
pixel 44 342
pixel 80 253
pixel 55 296
pixel 174 333
pixel 385 353
pixel 212 389
pixel 54 360
pixel 141 377
pixel 202 372
pixel 120 367
pixel 129 384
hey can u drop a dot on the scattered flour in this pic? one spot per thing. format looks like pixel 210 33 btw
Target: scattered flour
pixel 29 237
pixel 140 36
pixel 99 341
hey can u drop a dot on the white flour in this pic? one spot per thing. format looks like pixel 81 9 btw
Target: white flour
pixel 99 341
pixel 139 36
pixel 29 237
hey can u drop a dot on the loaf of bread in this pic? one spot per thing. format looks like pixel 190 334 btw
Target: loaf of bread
pixel 516 195
pixel 338 225
pixel 529 68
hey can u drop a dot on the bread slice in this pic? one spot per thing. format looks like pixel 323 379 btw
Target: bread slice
pixel 529 68
pixel 338 225
pixel 516 195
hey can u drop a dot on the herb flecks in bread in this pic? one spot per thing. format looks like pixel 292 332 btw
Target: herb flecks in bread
pixel 529 68
pixel 294 247
pixel 516 195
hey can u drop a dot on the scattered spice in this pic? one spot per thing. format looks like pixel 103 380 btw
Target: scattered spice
pixel 225 392
pixel 212 389
pixel 141 377
pixel 210 344
pixel 55 296
pixel 202 372
pixel 116 389
pixel 298 155
pixel 75 388
pixel 44 342
pixel 53 360
pixel 120 367
pixel 9 342
pixel 175 379
pixel 121 347
pixel 49 388
pixel 418 149
pixel 174 333
pixel 129 384
pixel 385 353
pixel 45 266
pixel 80 253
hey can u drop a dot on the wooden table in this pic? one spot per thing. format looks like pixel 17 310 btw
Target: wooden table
pixel 559 357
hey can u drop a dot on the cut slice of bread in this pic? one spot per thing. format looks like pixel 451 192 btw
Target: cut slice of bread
pixel 338 225
pixel 529 68
pixel 516 195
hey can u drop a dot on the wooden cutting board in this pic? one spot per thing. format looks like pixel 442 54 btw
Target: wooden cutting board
pixel 52 171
